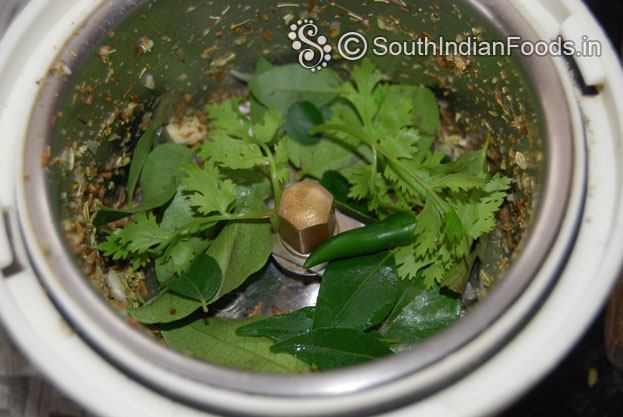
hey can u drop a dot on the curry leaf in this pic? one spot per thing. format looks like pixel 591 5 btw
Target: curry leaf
pixel 302 117
pixel 281 87
pixel 167 267
pixel 142 149
pixel 333 348
pixel 158 182
pixel 200 282
pixel 258 109
pixel 426 111
pixel 215 340
pixel 106 215
pixel 325 155
pixel 249 181
pixel 280 327
pixel 164 308
pixel 429 312
pixel 358 293
pixel 242 247
pixel 339 186
pixel 161 169
pixel 179 212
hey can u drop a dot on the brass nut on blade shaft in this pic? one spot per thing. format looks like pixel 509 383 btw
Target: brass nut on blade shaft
pixel 306 216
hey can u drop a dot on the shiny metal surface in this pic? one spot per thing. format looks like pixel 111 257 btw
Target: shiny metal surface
pixel 306 215
pixel 42 215
pixel 292 261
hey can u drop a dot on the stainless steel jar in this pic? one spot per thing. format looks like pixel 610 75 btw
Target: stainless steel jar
pixel 70 69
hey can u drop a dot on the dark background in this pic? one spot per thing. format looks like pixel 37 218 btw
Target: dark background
pixel 610 14
pixel 566 391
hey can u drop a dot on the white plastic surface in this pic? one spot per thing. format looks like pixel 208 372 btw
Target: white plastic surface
pixel 6 257
pixel 591 67
pixel 79 371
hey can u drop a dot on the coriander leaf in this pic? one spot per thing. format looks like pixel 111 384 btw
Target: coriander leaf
pixel 200 282
pixel 266 131
pixel 457 277
pixel 431 266
pixel 228 152
pixel 302 117
pixel 477 208
pixel 161 169
pixel 235 147
pixel 164 308
pixel 281 162
pixel 339 187
pixel 343 112
pixel 428 228
pixel 333 348
pixel 369 184
pixel 179 212
pixel 242 247
pixel 142 234
pixel 453 228
pixel 430 311
pixel 434 273
pixel 358 293
pixel 112 246
pixel 362 178
pixel 408 265
pixel 364 95
pixel 382 198
pixel 226 119
pixel 397 110
pixel 458 182
pixel 205 192
pixel 280 327
pixel 214 340
pixel 281 87
pixel 366 77
pixel 424 166
pixel 435 164
pixel 167 268
pixel 469 163
pixel 403 144
pixel 180 254
pixel 410 106
pixel 142 149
